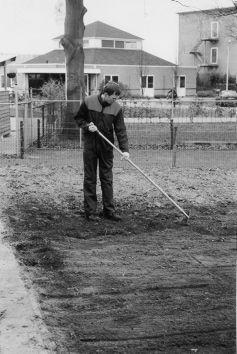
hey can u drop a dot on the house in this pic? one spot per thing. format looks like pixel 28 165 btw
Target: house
pixel 8 69
pixel 112 54
pixel 5 81
pixel 207 39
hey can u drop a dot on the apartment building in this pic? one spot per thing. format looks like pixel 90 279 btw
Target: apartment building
pixel 208 40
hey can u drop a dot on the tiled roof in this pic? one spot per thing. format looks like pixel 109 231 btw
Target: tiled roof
pixel 18 58
pixel 4 60
pixel 100 29
pixel 56 56
pixel 105 56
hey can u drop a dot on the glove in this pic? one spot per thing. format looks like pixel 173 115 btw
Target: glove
pixel 125 156
pixel 92 127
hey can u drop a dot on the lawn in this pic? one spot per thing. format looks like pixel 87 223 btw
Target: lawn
pixel 145 135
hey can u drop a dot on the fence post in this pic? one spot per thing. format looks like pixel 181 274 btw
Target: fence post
pixel 22 150
pixel 80 138
pixel 54 119
pixel 31 114
pixel 61 114
pixel 43 121
pixel 38 134
pixel 171 133
pixel 25 125
pixel 174 149
pixel 17 121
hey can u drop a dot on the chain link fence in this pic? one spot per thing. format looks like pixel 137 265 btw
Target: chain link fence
pixel 167 129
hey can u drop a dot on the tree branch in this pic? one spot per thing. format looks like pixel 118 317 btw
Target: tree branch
pixel 180 3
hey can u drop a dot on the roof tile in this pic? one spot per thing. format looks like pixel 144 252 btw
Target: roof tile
pixel 100 29
pixel 105 56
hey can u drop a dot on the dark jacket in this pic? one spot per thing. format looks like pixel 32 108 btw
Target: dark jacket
pixel 107 118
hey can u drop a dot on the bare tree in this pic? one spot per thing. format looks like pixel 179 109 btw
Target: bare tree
pixel 219 11
pixel 72 42
pixel 142 69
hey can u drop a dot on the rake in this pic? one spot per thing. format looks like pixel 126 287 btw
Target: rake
pixel 145 175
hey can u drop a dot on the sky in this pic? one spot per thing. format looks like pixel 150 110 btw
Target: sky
pixel 28 26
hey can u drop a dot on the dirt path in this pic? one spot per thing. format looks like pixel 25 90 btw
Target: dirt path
pixel 147 284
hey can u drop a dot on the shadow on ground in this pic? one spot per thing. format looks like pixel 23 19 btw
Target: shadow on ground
pixel 148 283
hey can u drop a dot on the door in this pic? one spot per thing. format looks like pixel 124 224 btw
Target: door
pixel 148 85
pixel 181 87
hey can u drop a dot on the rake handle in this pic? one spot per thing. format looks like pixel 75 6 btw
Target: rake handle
pixel 144 174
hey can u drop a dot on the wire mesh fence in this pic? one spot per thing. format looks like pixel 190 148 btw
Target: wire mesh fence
pixel 178 133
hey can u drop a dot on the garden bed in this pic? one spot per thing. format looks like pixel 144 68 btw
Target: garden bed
pixel 146 284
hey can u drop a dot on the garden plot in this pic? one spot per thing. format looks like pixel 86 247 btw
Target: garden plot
pixel 146 284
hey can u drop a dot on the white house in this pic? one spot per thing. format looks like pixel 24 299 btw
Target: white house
pixel 111 53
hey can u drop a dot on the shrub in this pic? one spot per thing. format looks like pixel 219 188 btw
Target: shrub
pixel 53 90
pixel 209 81
pixel 196 109
pixel 160 96
pixel 206 93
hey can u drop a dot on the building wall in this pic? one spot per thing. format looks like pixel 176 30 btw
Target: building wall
pixel 2 80
pixel 195 26
pixel 22 82
pixel 163 77
pixel 191 78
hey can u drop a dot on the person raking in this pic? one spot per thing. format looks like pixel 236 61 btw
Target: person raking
pixel 101 112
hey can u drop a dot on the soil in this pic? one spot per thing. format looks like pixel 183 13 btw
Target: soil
pixel 150 283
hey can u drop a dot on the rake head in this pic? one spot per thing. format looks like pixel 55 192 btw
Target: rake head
pixel 183 220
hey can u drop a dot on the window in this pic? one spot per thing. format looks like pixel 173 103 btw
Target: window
pixel 34 76
pixel 131 45
pixel 182 82
pixel 119 44
pixel 115 78
pixel 107 43
pixel 214 53
pixel 111 78
pixel 147 81
pixel 214 29
pixel 150 81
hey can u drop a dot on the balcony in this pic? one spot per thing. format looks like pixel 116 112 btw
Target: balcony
pixel 208 65
pixel 210 39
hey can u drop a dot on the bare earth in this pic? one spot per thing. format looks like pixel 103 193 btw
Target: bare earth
pixel 147 284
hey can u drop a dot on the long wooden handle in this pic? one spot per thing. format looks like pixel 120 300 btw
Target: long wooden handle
pixel 144 174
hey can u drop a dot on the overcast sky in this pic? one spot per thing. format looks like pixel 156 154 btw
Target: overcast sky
pixel 28 26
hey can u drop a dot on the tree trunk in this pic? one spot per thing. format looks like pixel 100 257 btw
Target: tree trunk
pixel 72 43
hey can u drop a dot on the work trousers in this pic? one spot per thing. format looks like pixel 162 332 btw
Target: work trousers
pixel 91 158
